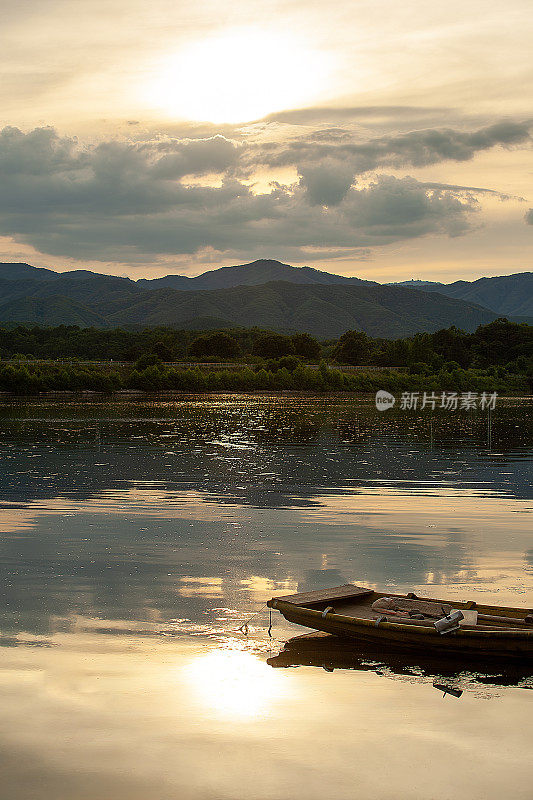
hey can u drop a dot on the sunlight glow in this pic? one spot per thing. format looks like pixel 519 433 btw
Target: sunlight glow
pixel 234 683
pixel 239 76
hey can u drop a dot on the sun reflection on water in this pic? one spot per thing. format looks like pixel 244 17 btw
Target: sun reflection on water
pixel 234 684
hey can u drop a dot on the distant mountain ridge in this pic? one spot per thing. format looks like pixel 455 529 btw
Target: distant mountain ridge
pixel 320 303
pixel 20 271
pixel 258 272
pixel 507 295
pixel 324 311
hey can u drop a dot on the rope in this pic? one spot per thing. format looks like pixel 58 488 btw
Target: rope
pixel 244 627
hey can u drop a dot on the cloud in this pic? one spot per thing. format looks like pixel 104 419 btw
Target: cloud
pixel 418 148
pixel 328 114
pixel 421 148
pixel 326 183
pixel 393 208
pixel 529 217
pixel 196 157
pixel 123 200
pixel 39 152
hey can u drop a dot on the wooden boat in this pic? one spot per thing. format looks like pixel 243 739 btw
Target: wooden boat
pixel 407 621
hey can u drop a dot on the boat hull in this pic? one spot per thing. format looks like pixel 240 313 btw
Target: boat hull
pixel 485 643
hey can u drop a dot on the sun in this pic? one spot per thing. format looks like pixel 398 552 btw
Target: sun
pixel 239 76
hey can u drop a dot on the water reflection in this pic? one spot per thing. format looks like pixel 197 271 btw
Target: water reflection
pixel 152 557
pixel 447 674
pixel 93 718
pixel 137 516
pixel 234 684
pixel 261 452
pixel 136 538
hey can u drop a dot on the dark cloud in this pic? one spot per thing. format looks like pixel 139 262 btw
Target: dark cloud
pixel 394 207
pixel 421 148
pixel 331 135
pixel 529 217
pixel 417 148
pixel 196 157
pixel 39 152
pixel 329 114
pixel 327 182
pixel 471 190
pixel 123 200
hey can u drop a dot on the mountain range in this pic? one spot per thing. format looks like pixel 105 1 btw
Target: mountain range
pixel 254 274
pixel 265 293
pixel 509 295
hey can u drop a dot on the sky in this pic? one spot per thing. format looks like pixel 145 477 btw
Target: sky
pixel 380 139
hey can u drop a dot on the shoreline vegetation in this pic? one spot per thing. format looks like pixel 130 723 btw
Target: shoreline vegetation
pixel 496 358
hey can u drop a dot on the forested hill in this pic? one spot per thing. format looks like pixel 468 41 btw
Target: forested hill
pixel 258 272
pixel 507 295
pixel 265 293
pixel 324 311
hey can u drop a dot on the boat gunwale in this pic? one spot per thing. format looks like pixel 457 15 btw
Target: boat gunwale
pixel 468 604
pixel 468 632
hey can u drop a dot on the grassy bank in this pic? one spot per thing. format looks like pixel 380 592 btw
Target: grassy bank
pixel 34 378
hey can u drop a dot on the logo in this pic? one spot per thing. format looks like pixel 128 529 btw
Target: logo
pixel 449 401
pixel 384 400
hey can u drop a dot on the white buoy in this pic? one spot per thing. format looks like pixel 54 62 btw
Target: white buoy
pixel 449 623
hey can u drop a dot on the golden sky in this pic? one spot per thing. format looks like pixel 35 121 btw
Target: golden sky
pixel 377 139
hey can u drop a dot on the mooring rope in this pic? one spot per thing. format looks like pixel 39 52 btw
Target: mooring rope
pixel 244 627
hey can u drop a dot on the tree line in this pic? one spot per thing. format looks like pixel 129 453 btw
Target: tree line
pixel 499 343
pixel 118 344
pixel 496 357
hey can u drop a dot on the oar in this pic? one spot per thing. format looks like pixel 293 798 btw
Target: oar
pixel 507 620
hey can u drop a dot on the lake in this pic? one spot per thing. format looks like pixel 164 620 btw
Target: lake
pixel 137 537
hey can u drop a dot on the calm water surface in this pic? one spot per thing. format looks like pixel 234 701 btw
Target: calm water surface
pixel 137 537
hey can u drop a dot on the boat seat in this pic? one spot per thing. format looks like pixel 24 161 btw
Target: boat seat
pixel 405 607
